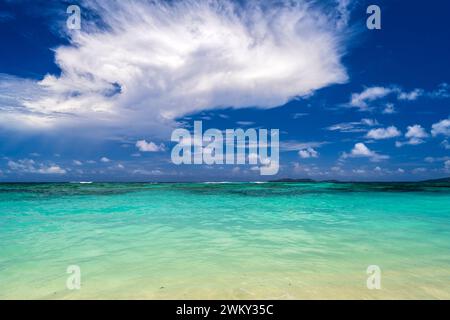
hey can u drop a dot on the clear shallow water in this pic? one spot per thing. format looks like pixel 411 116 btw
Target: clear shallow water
pixel 239 241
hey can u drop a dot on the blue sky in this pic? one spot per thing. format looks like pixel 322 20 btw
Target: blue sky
pixel 350 103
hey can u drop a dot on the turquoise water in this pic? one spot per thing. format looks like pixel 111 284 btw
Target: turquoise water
pixel 238 241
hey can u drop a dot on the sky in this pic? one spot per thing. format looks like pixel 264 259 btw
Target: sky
pixel 100 103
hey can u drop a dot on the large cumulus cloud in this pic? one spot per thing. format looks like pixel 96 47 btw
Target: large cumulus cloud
pixel 142 64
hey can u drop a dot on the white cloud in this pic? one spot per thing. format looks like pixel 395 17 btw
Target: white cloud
pixel 77 163
pixel 6 16
pixel 22 165
pixel 253 158
pixel 445 144
pixel 447 165
pixel 416 131
pixel 299 115
pixel 155 172
pixel 356 126
pixel 410 96
pixel 149 62
pixel 360 150
pixel 441 128
pixel 308 170
pixel 369 122
pixel 415 134
pixel 292 145
pixel 381 133
pixel 245 123
pixel 438 159
pixel 361 100
pixel 442 92
pixel 400 170
pixel 52 170
pixel 337 170
pixel 308 153
pixel 389 109
pixel 105 160
pixel 419 170
pixel 30 166
pixel 145 146
pixel 15 94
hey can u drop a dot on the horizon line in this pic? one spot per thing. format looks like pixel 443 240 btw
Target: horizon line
pixel 282 180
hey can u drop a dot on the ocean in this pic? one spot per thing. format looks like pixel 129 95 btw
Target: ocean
pixel 225 240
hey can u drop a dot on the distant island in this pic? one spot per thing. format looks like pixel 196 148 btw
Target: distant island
pixel 291 180
pixel 438 180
